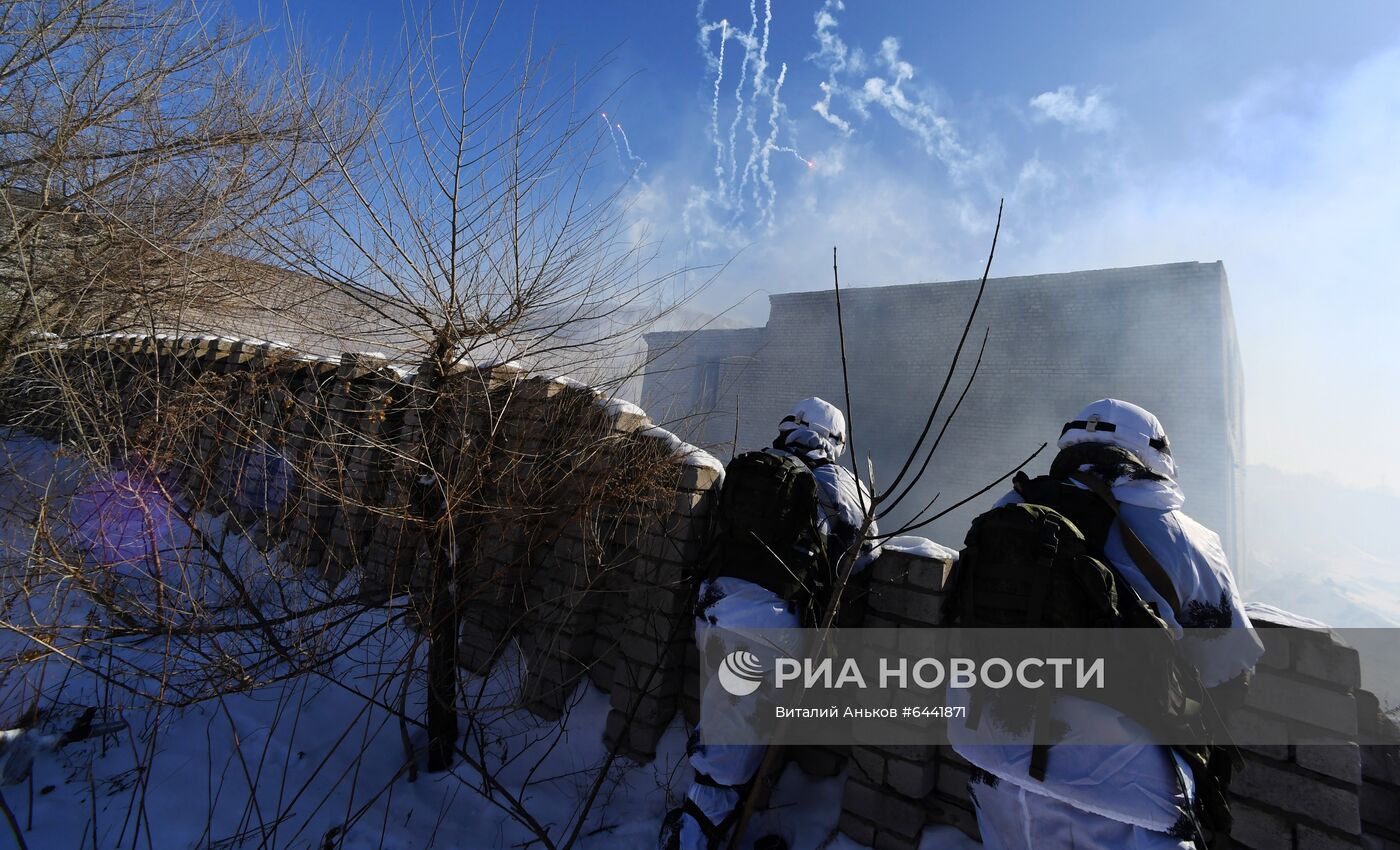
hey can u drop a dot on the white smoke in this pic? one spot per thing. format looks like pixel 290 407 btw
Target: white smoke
pixel 1090 114
pixel 848 80
pixel 630 162
pixel 744 195
pixel 833 55
pixel 607 122
pixel 823 108
pixel 634 162
pixel 760 72
pixel 714 105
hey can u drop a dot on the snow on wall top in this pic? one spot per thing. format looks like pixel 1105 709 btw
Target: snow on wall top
pixel 920 547
pixel 689 455
pixel 620 407
pixel 615 408
pixel 1266 613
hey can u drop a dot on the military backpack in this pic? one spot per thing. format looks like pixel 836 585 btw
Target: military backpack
pixel 765 527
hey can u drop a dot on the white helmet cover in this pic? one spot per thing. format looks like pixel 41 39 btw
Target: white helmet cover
pixel 1127 426
pixel 823 419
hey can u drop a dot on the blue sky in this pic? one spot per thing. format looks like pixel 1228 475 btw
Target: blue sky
pixel 1263 134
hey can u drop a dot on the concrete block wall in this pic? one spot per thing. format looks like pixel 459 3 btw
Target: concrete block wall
pixel 578 547
pixel 893 792
pixel 1380 779
pixel 366 390
pixel 510 594
pixel 649 682
pixel 394 545
pixel 1309 794
pixel 305 525
pixel 565 563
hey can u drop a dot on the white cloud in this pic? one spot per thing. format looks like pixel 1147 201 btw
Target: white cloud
pixel 1091 113
pixel 1034 179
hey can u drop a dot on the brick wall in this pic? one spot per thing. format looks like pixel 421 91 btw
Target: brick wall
pixel 893 792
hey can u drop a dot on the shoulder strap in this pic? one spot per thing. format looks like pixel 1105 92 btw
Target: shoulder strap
pixel 1142 557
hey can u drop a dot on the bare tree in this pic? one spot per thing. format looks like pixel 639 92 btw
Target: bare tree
pixel 147 152
pixel 475 209
pixel 460 217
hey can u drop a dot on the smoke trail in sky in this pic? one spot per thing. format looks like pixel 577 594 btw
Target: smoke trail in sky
pixel 756 149
pixel 634 162
pixel 607 122
pixel 749 40
pixel 770 145
pixel 882 80
pixel 630 162
pixel 796 155
pixel 833 55
pixel 744 195
pixel 714 104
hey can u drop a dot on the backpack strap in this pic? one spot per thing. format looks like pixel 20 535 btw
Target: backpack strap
pixel 1040 759
pixel 1049 547
pixel 715 833
pixel 1143 558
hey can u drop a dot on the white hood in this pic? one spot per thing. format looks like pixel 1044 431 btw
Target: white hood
pixel 814 428
pixel 1134 429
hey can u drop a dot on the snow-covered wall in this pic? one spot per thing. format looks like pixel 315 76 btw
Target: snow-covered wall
pixel 576 543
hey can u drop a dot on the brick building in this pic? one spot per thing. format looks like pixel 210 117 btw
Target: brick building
pixel 1161 336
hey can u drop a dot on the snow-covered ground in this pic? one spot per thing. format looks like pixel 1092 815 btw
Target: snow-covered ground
pixel 285 758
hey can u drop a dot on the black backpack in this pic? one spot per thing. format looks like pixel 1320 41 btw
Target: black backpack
pixel 1040 564
pixel 765 528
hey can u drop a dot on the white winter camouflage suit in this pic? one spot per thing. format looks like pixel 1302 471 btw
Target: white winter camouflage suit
pixel 1122 796
pixel 814 432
